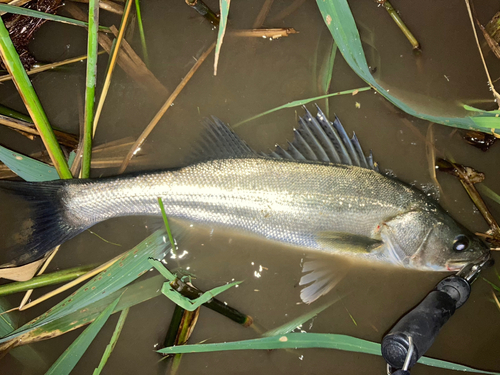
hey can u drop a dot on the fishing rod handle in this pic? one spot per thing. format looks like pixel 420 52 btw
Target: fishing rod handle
pixel 424 322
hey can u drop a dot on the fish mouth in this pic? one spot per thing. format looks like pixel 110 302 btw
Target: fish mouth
pixel 458 264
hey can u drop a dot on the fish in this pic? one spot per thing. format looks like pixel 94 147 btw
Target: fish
pixel 320 193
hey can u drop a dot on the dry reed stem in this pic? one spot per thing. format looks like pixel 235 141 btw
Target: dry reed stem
pixel 42 270
pixel 8 77
pixel 65 139
pixel 264 11
pixel 495 93
pixel 287 11
pixel 105 5
pixel 164 109
pixel 264 33
pixel 111 67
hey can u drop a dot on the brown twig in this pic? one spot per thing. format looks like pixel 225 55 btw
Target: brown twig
pixel 164 109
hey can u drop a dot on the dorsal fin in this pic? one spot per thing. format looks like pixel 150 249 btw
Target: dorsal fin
pixel 218 141
pixel 318 139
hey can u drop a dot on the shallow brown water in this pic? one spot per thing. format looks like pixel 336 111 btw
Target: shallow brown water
pixel 254 76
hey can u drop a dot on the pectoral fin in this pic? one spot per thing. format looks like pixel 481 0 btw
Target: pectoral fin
pixel 341 242
pixel 321 276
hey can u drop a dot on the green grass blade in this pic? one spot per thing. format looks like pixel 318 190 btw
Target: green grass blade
pixel 306 341
pixel 167 227
pixel 141 33
pixel 133 294
pixel 52 278
pixel 129 267
pixel 27 168
pixel 224 11
pixel 45 16
pixel 488 192
pixel 114 339
pixel 30 99
pixel 339 20
pixel 68 360
pixel 301 102
pixel 92 47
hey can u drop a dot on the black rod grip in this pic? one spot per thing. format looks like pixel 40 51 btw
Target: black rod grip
pixel 424 322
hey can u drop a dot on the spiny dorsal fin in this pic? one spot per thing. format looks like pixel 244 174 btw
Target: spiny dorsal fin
pixel 218 141
pixel 318 139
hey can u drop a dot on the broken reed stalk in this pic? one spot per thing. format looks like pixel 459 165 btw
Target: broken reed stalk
pixel 16 70
pixel 92 47
pixel 164 109
pixel 141 33
pixel 40 281
pixel 402 26
pixel 173 328
pixel 204 10
pixel 468 177
pixel 189 319
pixel 264 33
pixel 190 291
pixel 65 139
pixel 112 64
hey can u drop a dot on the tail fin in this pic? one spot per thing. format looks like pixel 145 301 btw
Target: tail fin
pixel 36 221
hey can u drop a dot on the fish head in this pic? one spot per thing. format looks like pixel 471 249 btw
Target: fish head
pixel 430 239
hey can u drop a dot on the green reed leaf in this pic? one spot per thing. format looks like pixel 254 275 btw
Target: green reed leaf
pixel 129 267
pixel 298 103
pixel 339 20
pixel 68 360
pixel 306 341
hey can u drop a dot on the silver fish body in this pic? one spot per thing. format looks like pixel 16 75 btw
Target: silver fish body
pixel 322 193
pixel 311 205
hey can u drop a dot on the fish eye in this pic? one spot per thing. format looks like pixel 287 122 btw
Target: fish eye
pixel 461 242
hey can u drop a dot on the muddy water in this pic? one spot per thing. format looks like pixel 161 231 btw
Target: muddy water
pixel 254 76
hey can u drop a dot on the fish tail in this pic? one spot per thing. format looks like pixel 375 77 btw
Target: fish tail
pixel 37 223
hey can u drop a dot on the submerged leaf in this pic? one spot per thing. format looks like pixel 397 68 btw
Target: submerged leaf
pixel 339 20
